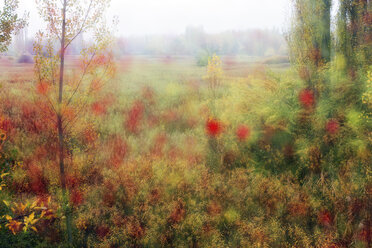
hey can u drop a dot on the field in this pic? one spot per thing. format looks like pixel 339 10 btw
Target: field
pixel 162 157
pixel 154 133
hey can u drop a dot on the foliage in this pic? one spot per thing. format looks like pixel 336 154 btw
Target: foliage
pixel 10 23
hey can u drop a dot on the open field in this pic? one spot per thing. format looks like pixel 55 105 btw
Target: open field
pixel 153 69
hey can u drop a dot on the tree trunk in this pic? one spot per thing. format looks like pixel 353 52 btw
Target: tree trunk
pixel 60 129
pixel 326 31
pixel 343 37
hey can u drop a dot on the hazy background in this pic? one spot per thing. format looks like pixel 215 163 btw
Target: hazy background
pixel 139 17
pixel 197 28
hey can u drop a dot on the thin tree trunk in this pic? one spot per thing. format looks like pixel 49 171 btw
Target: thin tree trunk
pixel 60 128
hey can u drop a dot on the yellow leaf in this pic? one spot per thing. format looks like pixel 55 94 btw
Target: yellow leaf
pixel 3 175
pixel 33 205
pixel 31 216
pixel 23 207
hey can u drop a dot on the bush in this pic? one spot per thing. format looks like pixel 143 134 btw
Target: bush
pixel 25 59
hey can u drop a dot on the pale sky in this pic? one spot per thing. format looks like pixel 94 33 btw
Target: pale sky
pixel 141 17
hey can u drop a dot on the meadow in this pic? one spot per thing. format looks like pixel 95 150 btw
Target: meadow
pixel 252 138
pixel 162 159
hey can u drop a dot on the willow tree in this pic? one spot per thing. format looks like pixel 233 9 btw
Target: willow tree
pixel 325 31
pixel 354 34
pixel 68 93
pixel 10 23
pixel 310 38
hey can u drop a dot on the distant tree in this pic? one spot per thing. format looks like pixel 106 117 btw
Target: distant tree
pixel 68 94
pixel 10 23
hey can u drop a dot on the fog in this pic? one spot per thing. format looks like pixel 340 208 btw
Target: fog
pixel 140 17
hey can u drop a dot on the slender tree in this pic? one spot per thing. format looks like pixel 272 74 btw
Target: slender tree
pixel 68 94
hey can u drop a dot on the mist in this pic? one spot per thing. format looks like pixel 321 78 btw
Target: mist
pixel 146 17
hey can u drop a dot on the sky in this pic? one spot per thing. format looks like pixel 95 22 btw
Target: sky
pixel 144 17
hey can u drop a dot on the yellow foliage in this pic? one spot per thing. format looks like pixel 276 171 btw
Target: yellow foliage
pixel 214 72
pixel 2 184
pixel 367 96
pixel 25 215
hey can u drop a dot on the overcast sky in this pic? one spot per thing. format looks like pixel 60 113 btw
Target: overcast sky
pixel 138 17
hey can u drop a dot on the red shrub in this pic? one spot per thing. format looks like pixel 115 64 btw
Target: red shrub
pixel 35 117
pixel 76 197
pixel 134 116
pixel 365 234
pixel 243 132
pixel 72 181
pixel 119 151
pixel 6 125
pixel 42 88
pixel 307 98
pixel 38 183
pixel 90 135
pixel 99 108
pixel 325 218
pixel 213 127
pixel 159 144
pixel 332 126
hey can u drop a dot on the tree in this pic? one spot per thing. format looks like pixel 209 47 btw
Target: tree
pixel 10 23
pixel 354 33
pixel 310 35
pixel 310 42
pixel 67 93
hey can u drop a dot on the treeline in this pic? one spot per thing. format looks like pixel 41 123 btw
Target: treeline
pixel 195 41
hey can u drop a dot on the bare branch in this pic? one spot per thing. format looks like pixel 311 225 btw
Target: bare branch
pixel 82 25
pixel 72 122
pixel 81 79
